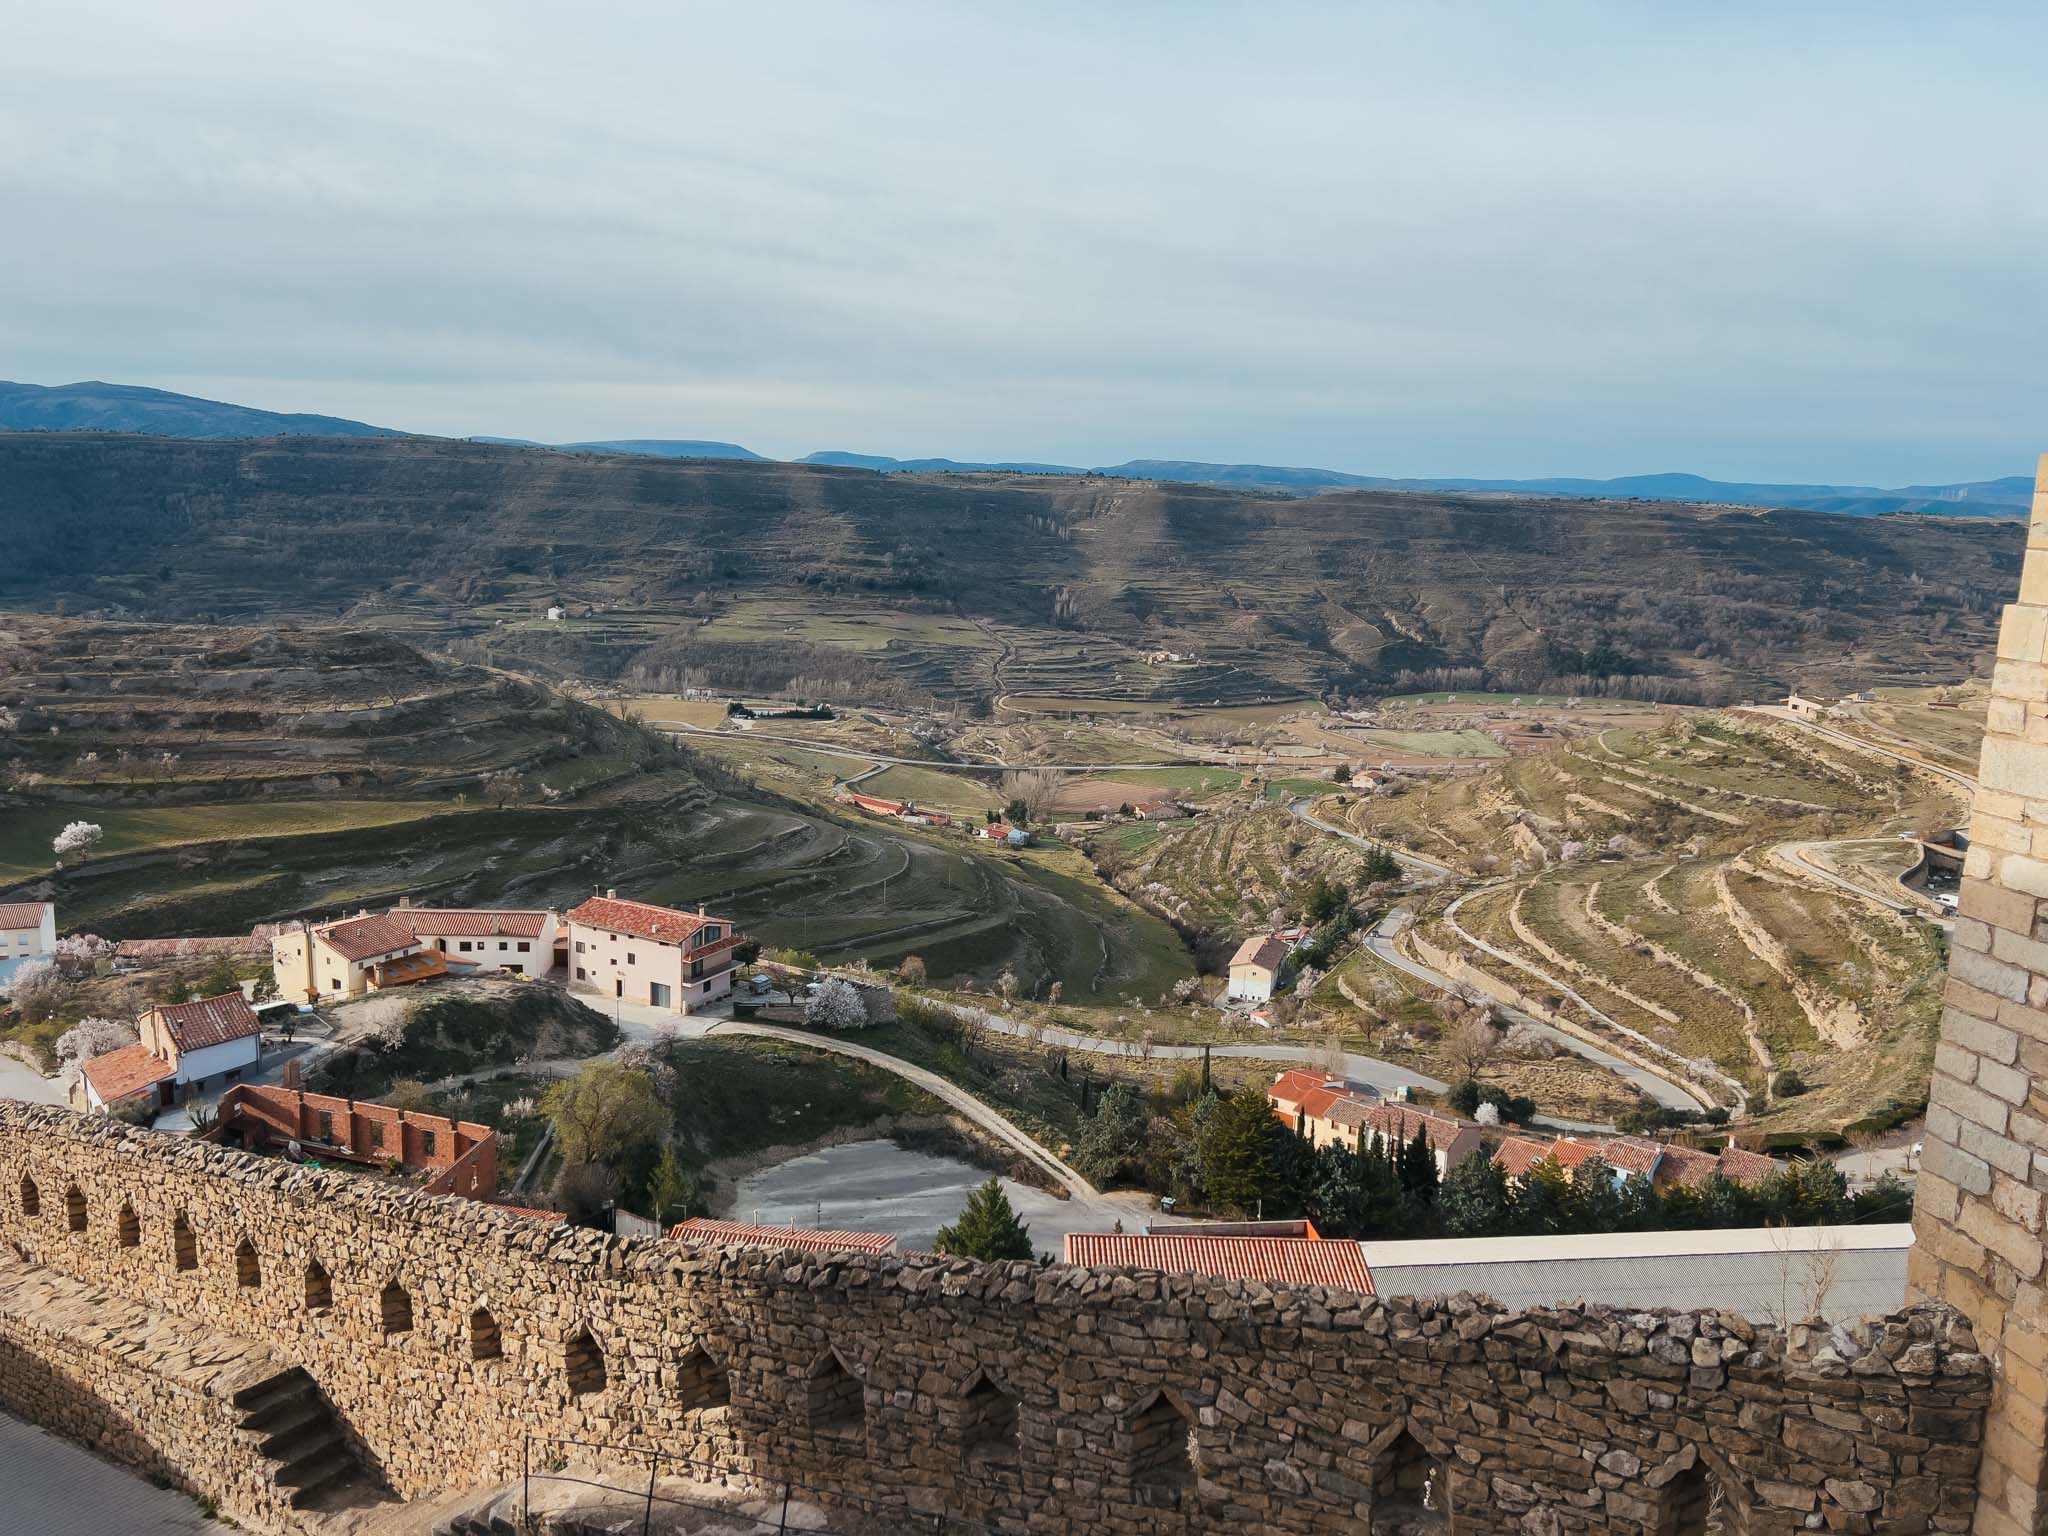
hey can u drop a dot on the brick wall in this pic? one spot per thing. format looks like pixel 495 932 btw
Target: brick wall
pixel 464 1155
pixel 1050 1400
pixel 1978 1213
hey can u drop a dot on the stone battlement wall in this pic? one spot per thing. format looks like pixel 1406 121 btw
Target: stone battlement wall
pixel 1050 1399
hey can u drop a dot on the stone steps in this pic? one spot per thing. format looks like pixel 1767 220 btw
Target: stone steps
pixel 295 1430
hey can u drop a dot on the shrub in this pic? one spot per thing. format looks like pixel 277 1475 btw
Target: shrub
pixel 1788 1084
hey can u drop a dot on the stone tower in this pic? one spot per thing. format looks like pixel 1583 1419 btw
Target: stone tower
pixel 1978 1240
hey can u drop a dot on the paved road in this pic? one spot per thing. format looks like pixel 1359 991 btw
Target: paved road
pixel 18 1080
pixel 53 1488
pixel 1962 781
pixel 1087 1199
pixel 1380 940
pixel 1410 861
pixel 1800 856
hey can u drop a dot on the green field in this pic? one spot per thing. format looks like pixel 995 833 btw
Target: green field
pixel 25 834
pixel 935 789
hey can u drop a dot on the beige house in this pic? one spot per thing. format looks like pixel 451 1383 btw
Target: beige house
pixel 521 942
pixel 635 952
pixel 1256 967
pixel 343 959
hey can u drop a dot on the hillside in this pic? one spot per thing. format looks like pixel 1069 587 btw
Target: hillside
pixel 972 586
pixel 242 775
pixel 98 407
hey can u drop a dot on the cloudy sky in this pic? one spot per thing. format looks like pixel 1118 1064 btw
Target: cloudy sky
pixel 1760 241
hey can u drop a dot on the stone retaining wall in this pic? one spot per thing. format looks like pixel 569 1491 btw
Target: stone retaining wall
pixel 136 1387
pixel 1053 1400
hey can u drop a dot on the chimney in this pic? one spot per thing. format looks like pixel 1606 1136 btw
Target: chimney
pixel 611 893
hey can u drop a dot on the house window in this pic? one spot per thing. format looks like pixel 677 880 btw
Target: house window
pixel 426 1143
pixel 503 946
pixel 579 946
pixel 333 985
pixel 327 1125
pixel 711 934
pixel 463 946
pixel 631 958
pixel 580 976
pixel 524 947
pixel 377 1135
pixel 234 1075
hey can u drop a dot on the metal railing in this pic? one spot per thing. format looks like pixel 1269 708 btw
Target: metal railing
pixel 778 1493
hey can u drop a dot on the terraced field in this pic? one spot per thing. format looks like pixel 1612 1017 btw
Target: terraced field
pixel 1640 877
pixel 1225 872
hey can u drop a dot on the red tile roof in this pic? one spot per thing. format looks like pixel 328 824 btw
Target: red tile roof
pixel 872 803
pixel 131 1069
pixel 643 920
pixel 810 1239
pixel 1518 1155
pixel 473 922
pixel 1262 949
pixel 366 937
pixel 209 1021
pixel 1272 1260
pixel 1452 1139
pixel 1625 1154
pixel 1740 1167
pixel 1688 1166
pixel 1291 1086
pixel 23 914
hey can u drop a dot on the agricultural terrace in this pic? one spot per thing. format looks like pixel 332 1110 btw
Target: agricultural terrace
pixel 1638 870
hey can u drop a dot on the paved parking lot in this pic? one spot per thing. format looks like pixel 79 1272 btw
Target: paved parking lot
pixel 53 1488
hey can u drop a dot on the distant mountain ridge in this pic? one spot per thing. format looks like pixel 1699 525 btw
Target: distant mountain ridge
pixel 102 407
pixel 93 406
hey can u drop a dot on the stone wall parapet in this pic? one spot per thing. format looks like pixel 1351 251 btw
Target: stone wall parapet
pixel 1048 1399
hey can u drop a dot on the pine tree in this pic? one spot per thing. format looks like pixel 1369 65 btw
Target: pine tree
pixel 987 1228
pixel 1251 1162
pixel 1475 1200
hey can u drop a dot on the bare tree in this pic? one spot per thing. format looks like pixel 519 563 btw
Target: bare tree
pixel 1035 787
pixel 910 971
pixel 1472 1047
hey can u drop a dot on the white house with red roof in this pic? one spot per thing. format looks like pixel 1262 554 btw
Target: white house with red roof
pixel 330 962
pixel 209 1041
pixel 28 931
pixel 636 952
pixel 518 941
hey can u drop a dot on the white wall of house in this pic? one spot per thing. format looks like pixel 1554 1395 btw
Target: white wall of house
pixel 206 1066
pixel 18 946
pixel 497 952
pixel 643 970
pixel 1251 983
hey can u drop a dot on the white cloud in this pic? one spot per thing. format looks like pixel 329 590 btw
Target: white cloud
pixel 1467 239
